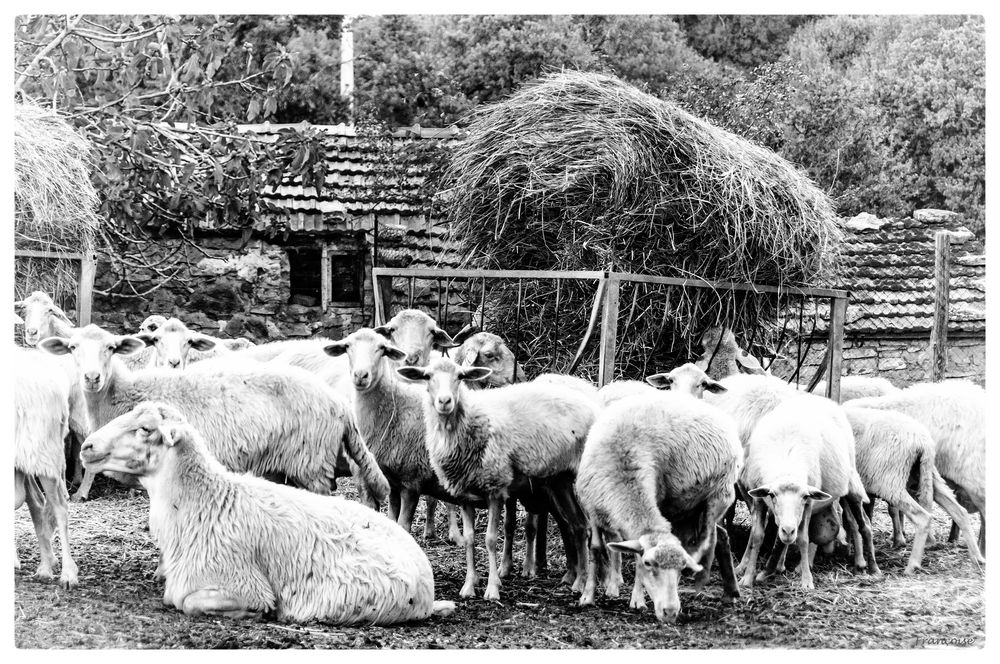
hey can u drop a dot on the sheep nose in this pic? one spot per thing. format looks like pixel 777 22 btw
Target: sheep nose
pixel 444 400
pixel 412 359
pixel 174 363
pixel 668 614
pixel 92 376
pixel 361 376
pixel 31 331
pixel 787 534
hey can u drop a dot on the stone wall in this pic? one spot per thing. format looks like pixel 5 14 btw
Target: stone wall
pixel 902 361
pixel 231 290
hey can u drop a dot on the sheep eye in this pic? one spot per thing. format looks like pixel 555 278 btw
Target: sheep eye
pixel 146 430
pixel 111 347
pixel 647 564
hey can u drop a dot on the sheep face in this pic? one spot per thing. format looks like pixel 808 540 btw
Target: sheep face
pixel 39 315
pixel 663 557
pixel 365 351
pixel 444 379
pixel 417 334
pixel 173 342
pixel 488 350
pixel 134 443
pixel 92 349
pixel 152 323
pixel 788 501
pixel 723 357
pixel 687 379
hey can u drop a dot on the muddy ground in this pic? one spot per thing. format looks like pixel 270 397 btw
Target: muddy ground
pixel 118 604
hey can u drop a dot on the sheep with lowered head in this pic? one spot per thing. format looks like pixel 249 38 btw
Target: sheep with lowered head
pixel 491 443
pixel 954 412
pixel 258 418
pixel 237 545
pixel 658 472
pixel 41 423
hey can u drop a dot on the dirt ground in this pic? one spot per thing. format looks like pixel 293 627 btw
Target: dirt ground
pixel 118 604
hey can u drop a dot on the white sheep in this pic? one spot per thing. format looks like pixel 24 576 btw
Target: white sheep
pixel 623 389
pixel 488 443
pixel 41 423
pixel 687 379
pixel 585 387
pixel 263 419
pixel 798 459
pixel 175 346
pixel 658 472
pixel 954 411
pixel 237 545
pixel 484 349
pixel 859 387
pixel 43 318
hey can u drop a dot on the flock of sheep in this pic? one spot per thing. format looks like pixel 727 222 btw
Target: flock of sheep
pixel 216 431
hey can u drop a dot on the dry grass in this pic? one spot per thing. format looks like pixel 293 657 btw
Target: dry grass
pixel 582 171
pixel 117 604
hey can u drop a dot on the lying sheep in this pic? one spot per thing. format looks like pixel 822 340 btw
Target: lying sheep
pixel 859 387
pixel 263 419
pixel 799 459
pixel 237 545
pixel 41 423
pixel 489 443
pixel 658 473
pixel 954 412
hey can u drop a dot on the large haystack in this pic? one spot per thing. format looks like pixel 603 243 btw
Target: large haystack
pixel 583 171
pixel 55 203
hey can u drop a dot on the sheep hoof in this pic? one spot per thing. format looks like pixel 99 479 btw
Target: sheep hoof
pixel 504 571
pixel 492 592
pixel 68 580
pixel 746 581
pixel 587 599
pixel 763 575
pixel 568 578
pixel 807 584
pixel 44 574
pixel 528 574
pixel 911 569
pixel 612 591
pixel 875 573
pixel 637 603
pixel 468 590
pixel 78 497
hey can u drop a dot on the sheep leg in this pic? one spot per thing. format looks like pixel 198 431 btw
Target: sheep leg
pixel 638 599
pixel 492 535
pixel 595 544
pixel 454 534
pixel 922 520
pixel 730 516
pixel 567 506
pixel 770 534
pixel 56 496
pixel 43 528
pixel 509 531
pixel 898 532
pixel 865 529
pixel 953 533
pixel 215 602
pixel 944 497
pixel 430 505
pixel 408 507
pixel 19 497
pixel 851 526
pixel 749 562
pixel 724 553
pixel 541 540
pixel 568 547
pixel 803 541
pixel 775 560
pixel 394 503
pixel 471 579
pixel 529 570
pixel 83 491
pixel 701 578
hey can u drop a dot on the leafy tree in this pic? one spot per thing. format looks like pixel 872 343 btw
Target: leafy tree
pixel 743 41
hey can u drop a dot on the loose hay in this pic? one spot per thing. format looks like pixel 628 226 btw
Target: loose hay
pixel 580 171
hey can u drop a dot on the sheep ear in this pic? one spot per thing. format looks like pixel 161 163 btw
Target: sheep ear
pixel 18 320
pixel 414 373
pixel 749 364
pixel 384 330
pixel 202 342
pixel 815 494
pixel 336 349
pixel 474 373
pixel 146 338
pixel 713 386
pixel 19 303
pixel 691 563
pixel 660 381
pixel 170 433
pixel 463 334
pixel 129 345
pixel 59 313
pixel 54 345
pixel 760 492
pixel 393 353
pixel 710 337
pixel 628 546
pixel 442 340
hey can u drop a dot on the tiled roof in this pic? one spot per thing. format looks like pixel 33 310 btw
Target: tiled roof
pixel 888 266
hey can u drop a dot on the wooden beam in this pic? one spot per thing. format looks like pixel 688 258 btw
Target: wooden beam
pixel 427 273
pixel 326 286
pixel 85 289
pixel 838 314
pixel 942 294
pixel 609 330
pixel 60 255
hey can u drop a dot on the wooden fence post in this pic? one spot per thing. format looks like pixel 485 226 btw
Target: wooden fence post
pixel 838 314
pixel 609 329
pixel 942 292
pixel 85 289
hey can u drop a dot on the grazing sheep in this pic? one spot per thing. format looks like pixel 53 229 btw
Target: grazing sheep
pixel 41 423
pixel 237 545
pixel 687 379
pixel 489 443
pixel 658 472
pixel 859 387
pixel 799 458
pixel 263 419
pixel 954 411
pixel 723 357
